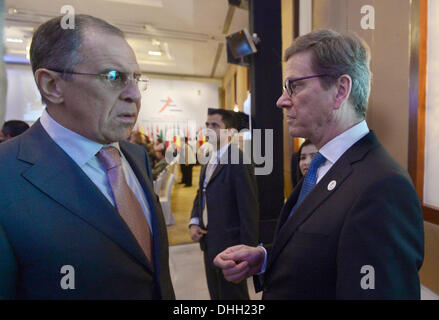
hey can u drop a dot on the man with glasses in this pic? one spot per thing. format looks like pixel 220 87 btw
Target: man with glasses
pixel 78 214
pixel 352 228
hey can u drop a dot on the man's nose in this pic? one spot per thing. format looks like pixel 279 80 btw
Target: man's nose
pixel 284 100
pixel 131 93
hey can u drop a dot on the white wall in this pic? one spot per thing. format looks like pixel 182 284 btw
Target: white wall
pixel 177 104
pixel 431 168
pixel 2 70
pixel 23 101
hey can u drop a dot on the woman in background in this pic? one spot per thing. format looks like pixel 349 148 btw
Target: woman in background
pixel 301 160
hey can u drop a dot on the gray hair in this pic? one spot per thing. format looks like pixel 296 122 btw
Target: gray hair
pixel 336 54
pixel 55 47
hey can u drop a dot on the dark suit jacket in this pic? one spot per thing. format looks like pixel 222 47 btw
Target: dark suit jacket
pixel 371 218
pixel 232 205
pixel 52 215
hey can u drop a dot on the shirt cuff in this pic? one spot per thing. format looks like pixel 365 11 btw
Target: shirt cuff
pixel 194 220
pixel 264 266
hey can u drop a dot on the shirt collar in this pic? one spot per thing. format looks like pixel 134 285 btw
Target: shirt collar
pixel 79 148
pixel 336 147
pixel 223 150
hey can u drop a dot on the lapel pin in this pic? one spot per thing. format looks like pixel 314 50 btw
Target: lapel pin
pixel 332 185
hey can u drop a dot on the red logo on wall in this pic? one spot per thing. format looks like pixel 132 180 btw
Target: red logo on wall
pixel 167 102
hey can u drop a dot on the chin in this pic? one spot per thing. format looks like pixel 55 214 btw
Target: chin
pixel 294 132
pixel 115 136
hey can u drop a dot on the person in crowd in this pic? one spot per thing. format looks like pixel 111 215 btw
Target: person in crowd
pixel 13 128
pixel 307 152
pixel 159 145
pixel 353 228
pixel 78 215
pixel 150 148
pixel 225 211
pixel 160 164
pixel 301 160
pixel 187 160
pixel 139 138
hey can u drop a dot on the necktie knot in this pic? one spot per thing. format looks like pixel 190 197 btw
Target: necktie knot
pixel 110 157
pixel 316 162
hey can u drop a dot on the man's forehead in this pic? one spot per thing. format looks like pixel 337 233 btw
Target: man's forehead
pixel 215 118
pixel 109 50
pixel 298 65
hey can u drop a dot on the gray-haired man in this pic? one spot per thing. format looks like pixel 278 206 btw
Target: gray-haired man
pixel 78 214
pixel 353 228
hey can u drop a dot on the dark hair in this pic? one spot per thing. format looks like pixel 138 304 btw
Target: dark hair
pixel 336 54
pixel 14 128
pixel 55 47
pixel 299 153
pixel 227 117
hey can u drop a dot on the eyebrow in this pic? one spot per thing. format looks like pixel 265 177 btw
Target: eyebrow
pixel 108 66
pixel 294 76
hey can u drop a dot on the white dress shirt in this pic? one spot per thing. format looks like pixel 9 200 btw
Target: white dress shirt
pixel 335 148
pixel 332 151
pixel 218 155
pixel 83 153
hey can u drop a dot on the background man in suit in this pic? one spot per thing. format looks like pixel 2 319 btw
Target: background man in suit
pixel 358 234
pixel 187 160
pixel 13 128
pixel 225 210
pixel 78 215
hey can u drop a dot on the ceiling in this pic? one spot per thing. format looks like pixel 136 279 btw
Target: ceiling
pixel 189 34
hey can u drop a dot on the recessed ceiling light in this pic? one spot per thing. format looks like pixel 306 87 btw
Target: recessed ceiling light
pixel 151 3
pixel 15 40
pixel 154 53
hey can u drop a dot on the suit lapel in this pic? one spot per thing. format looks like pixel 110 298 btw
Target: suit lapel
pixel 321 192
pixel 55 174
pixel 226 156
pixel 215 172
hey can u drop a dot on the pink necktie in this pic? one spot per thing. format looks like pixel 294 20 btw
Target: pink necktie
pixel 126 202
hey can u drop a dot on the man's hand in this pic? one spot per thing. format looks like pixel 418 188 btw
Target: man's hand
pixel 197 233
pixel 240 262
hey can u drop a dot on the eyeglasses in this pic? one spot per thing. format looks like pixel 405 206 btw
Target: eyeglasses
pixel 115 79
pixel 291 88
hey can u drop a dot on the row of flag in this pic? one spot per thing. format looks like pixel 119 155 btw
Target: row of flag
pixel 171 132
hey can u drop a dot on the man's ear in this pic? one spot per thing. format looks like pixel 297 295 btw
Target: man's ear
pixel 344 86
pixel 48 84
